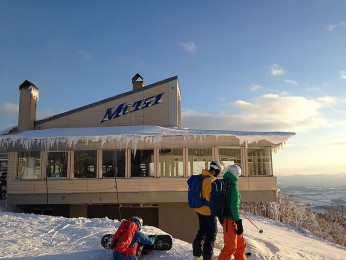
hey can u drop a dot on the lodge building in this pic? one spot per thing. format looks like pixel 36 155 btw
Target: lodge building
pixel 127 155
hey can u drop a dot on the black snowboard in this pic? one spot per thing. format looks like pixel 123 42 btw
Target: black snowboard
pixel 162 243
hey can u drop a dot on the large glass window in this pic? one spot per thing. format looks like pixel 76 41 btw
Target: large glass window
pixel 171 163
pixel 229 156
pixel 113 163
pixel 199 159
pixel 57 165
pixel 260 161
pixel 3 161
pixel 29 166
pixel 85 164
pixel 142 163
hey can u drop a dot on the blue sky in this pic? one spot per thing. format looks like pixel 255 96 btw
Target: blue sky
pixel 266 65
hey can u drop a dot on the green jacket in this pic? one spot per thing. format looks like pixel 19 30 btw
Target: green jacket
pixel 233 198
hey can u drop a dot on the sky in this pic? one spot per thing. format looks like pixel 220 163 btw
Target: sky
pixel 273 65
pixel 29 236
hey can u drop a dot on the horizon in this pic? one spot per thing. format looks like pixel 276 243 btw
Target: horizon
pixel 244 66
pixel 313 174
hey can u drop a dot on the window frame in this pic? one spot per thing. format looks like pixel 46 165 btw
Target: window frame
pixel 258 163
pixel 115 170
pixel 178 161
pixel 141 167
pixel 73 166
pixel 199 153
pixel 19 164
pixel 47 164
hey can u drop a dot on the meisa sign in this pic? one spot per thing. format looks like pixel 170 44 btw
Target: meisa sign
pixel 124 108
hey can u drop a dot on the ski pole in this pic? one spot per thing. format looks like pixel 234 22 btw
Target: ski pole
pixel 259 230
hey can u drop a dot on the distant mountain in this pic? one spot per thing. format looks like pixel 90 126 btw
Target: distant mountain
pixel 316 179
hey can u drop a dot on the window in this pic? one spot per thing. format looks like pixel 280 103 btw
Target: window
pixel 142 163
pixel 171 163
pixel 260 161
pixel 85 164
pixel 229 156
pixel 29 166
pixel 199 159
pixel 113 163
pixel 57 165
pixel 3 162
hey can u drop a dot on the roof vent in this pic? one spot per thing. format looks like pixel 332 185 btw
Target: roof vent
pixel 136 83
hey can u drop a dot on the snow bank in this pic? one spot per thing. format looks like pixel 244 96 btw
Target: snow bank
pixel 42 237
pixel 29 236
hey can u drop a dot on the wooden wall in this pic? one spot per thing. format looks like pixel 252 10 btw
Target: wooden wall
pixel 135 184
pixel 90 116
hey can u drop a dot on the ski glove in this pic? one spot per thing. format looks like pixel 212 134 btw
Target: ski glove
pixel 240 229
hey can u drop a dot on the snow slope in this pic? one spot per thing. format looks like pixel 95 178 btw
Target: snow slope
pixel 29 236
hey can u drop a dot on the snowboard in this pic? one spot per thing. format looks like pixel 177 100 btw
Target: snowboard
pixel 163 242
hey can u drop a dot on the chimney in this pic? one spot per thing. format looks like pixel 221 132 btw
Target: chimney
pixel 137 83
pixel 28 97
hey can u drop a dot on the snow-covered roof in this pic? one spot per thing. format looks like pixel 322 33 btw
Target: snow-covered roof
pixel 129 136
pixel 7 130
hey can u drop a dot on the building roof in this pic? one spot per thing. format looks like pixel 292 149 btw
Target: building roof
pixel 129 136
pixel 38 122
pixel 27 84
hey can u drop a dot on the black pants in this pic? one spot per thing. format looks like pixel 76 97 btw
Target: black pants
pixel 205 237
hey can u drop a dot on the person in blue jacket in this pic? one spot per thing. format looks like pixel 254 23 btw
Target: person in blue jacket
pixel 132 251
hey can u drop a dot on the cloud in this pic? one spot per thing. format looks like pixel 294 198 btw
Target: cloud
pixel 9 109
pixel 45 114
pixel 326 101
pixel 84 54
pixel 343 74
pixel 269 112
pixel 291 82
pixel 276 71
pixel 255 87
pixel 189 46
pixel 8 115
pixel 332 27
pixel 313 89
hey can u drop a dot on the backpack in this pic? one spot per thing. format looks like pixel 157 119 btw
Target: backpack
pixel 218 194
pixel 124 235
pixel 194 193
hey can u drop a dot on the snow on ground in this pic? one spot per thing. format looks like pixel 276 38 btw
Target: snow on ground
pixel 29 236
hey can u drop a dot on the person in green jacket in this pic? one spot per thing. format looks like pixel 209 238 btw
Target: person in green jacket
pixel 234 243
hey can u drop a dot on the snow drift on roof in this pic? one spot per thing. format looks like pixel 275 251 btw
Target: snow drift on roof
pixel 129 135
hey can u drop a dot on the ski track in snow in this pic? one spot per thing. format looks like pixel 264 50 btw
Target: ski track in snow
pixel 29 236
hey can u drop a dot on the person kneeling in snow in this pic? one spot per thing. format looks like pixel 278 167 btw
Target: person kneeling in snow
pixel 126 240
